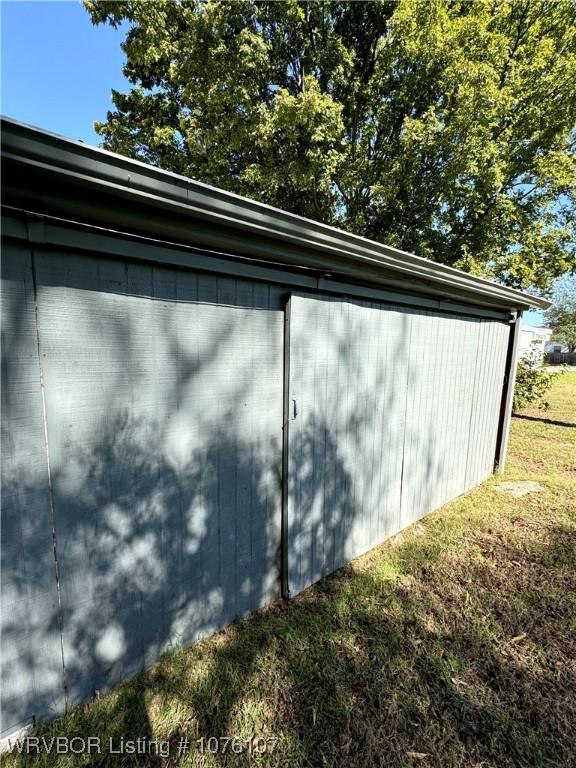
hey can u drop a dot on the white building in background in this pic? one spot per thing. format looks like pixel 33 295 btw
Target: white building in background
pixel 557 346
pixel 533 337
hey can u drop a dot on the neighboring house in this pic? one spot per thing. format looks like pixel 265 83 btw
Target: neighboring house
pixel 556 346
pixel 558 353
pixel 533 337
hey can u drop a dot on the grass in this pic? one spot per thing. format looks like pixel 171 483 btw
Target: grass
pixel 452 645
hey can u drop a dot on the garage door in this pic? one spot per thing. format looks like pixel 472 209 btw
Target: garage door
pixel 163 399
pixel 393 411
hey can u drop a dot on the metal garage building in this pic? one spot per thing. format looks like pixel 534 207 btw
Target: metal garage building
pixel 208 402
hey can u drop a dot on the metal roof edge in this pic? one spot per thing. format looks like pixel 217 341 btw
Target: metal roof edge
pixel 101 168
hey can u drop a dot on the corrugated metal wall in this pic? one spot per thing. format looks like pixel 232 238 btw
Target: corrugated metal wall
pixel 163 393
pixel 396 413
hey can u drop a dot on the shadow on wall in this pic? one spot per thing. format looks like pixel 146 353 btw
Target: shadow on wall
pixel 346 443
pixel 163 397
pixel 164 440
pixel 163 393
pixel 168 562
pixel 397 414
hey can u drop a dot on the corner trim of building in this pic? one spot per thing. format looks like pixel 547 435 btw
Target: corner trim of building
pixel 507 395
pixel 285 587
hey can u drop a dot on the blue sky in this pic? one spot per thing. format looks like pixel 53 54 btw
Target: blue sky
pixel 58 70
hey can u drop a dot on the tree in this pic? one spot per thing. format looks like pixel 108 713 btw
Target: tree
pixel 444 127
pixel 561 316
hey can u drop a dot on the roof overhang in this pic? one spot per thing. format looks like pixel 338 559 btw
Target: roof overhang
pixel 51 175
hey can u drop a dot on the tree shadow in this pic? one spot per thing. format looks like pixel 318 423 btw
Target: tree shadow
pixel 405 669
pixel 164 501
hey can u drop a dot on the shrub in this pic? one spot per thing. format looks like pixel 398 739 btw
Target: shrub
pixel 532 382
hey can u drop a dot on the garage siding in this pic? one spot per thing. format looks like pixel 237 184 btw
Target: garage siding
pixel 396 413
pixel 164 413
pixel 32 675
pixel 163 398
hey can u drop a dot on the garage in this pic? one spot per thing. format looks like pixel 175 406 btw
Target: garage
pixel 209 404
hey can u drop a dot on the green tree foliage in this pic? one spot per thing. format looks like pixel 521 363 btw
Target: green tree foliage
pixel 444 127
pixel 561 316
pixel 532 382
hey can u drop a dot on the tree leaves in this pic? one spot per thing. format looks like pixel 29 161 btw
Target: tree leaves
pixel 561 316
pixel 446 128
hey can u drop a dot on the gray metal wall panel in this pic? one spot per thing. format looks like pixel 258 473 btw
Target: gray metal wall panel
pixel 32 674
pixel 397 414
pixel 164 410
